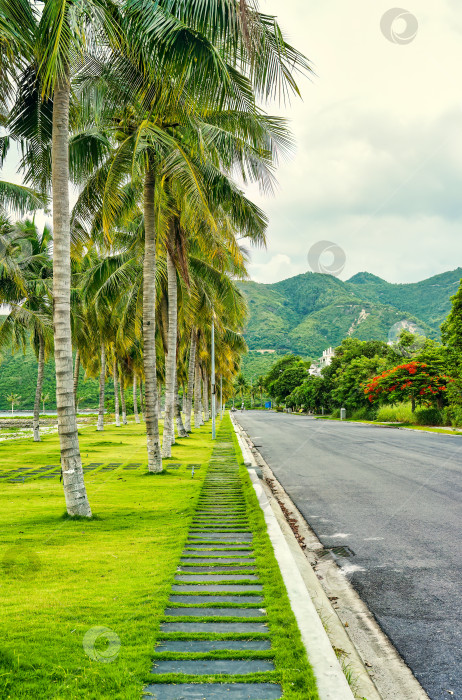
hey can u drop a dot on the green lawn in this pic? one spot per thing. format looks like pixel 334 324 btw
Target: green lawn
pixel 61 578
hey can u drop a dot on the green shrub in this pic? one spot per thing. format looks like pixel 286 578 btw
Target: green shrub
pixel 335 413
pixel 428 416
pixel 400 413
pixel 364 413
pixel 452 415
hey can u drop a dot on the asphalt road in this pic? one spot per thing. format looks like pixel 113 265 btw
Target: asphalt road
pixel 394 497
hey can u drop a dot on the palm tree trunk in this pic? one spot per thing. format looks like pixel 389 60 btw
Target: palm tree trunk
pixel 115 374
pixel 197 396
pixel 179 420
pixel 141 398
pixel 76 376
pixel 135 402
pixel 102 385
pixel 38 390
pixel 170 360
pixel 122 400
pixel 149 326
pixel 191 370
pixel 71 462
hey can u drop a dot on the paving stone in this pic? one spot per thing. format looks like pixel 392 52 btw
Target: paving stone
pixel 215 627
pixel 215 577
pixel 213 691
pixel 239 536
pixel 235 548
pixel 206 667
pixel 221 560
pixel 204 645
pixel 216 588
pixel 214 612
pixel 200 599
pixel 219 527
pixel 48 476
pixel 215 568
pixel 220 517
pixel 218 553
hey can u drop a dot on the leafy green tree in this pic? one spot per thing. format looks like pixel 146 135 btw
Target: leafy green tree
pixel 347 389
pixel 277 369
pixel 413 381
pixel 451 330
pixel 288 380
pixel 312 395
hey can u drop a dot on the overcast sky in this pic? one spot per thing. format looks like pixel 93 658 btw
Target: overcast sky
pixel 378 168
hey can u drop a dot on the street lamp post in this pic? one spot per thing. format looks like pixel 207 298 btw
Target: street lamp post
pixel 213 381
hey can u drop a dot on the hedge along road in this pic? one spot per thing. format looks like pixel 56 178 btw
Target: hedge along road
pixel 394 498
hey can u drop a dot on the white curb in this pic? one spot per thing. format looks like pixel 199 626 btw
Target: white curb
pixel 331 682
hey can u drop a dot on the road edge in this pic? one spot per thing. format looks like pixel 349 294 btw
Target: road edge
pixel 331 681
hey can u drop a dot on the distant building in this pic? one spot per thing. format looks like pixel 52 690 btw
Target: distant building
pixel 324 361
pixel 262 352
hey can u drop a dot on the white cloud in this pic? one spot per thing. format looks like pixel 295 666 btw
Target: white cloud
pixel 378 168
pixel 278 267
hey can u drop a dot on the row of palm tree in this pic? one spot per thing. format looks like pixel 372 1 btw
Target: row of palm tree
pixel 151 109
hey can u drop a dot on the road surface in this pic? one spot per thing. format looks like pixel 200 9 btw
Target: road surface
pixel 394 497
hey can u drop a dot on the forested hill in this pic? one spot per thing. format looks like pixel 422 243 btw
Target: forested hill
pixel 308 313
pixel 304 314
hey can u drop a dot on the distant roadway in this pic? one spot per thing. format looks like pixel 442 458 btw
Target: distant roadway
pixel 395 498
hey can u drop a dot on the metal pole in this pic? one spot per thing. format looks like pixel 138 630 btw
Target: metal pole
pixel 221 395
pixel 213 381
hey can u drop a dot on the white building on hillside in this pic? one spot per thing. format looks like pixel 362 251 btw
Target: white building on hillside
pixel 324 361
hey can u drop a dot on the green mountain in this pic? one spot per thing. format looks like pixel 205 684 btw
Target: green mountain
pixel 308 313
pixel 304 314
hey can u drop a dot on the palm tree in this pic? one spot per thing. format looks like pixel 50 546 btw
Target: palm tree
pixel 52 42
pixel 260 386
pixel 44 398
pixel 164 98
pixel 25 276
pixel 241 386
pixel 13 399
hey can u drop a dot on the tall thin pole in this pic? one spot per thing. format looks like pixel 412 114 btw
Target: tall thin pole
pixel 221 395
pixel 213 380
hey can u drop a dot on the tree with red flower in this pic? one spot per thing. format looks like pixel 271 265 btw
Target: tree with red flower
pixel 409 382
